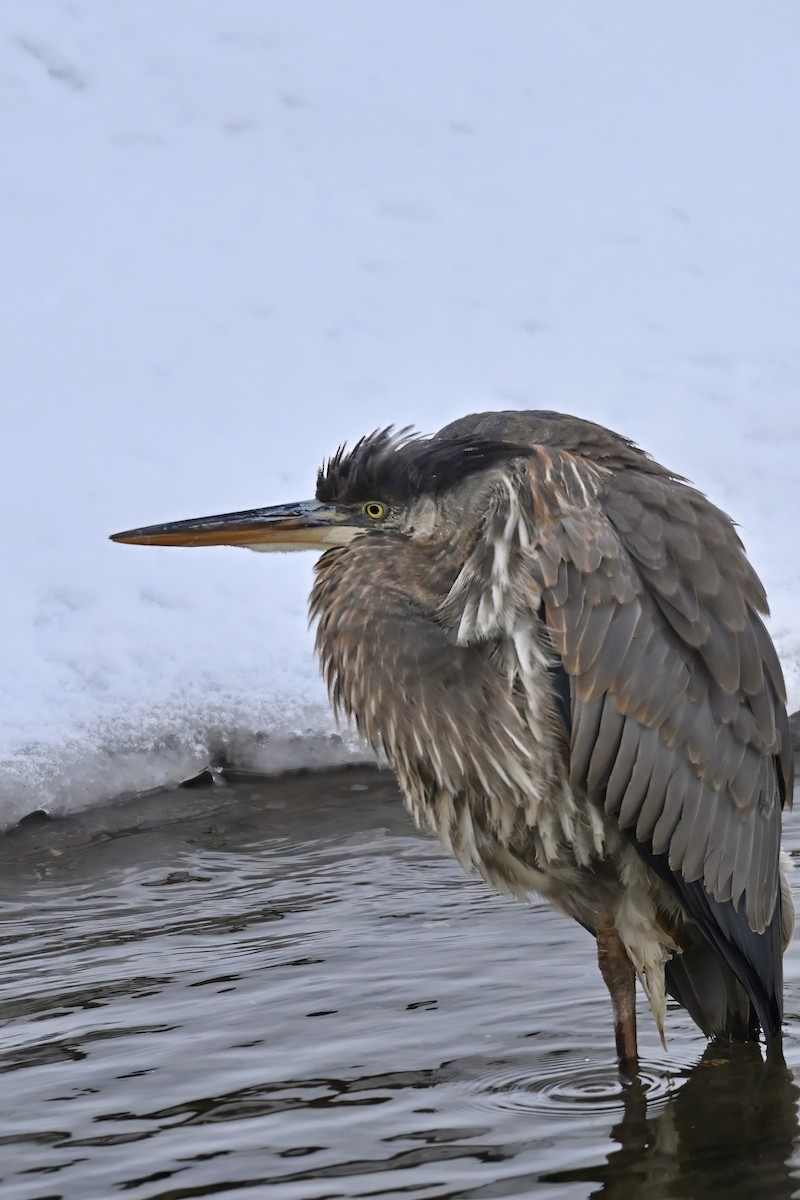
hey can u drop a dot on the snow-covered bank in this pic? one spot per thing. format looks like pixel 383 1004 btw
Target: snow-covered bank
pixel 235 234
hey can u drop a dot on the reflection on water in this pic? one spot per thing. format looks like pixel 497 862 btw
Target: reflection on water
pixel 730 1130
pixel 278 988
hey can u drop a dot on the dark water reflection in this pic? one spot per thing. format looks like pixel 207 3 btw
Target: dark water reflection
pixel 279 989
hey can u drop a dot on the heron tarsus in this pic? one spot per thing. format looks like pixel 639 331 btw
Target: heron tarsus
pixel 559 645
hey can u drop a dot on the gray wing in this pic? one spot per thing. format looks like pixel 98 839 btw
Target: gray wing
pixel 679 726
pixel 794 725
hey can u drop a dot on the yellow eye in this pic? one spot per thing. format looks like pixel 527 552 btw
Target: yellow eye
pixel 375 510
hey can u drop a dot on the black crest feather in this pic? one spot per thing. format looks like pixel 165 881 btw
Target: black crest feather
pixel 399 465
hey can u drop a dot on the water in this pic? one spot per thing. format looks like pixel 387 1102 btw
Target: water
pixel 277 988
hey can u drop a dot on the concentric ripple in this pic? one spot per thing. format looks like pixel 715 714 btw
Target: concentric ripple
pixel 578 1087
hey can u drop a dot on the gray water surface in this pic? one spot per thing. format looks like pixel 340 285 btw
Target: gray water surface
pixel 278 988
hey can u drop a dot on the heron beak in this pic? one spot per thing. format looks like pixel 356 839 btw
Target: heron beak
pixel 308 525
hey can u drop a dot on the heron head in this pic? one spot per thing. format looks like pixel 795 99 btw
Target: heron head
pixel 389 482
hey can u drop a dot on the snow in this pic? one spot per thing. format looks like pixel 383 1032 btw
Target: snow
pixel 235 234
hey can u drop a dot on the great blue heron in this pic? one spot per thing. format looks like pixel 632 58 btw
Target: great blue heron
pixel 559 645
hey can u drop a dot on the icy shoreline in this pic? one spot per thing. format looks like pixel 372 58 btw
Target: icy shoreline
pixel 77 777
pixel 96 770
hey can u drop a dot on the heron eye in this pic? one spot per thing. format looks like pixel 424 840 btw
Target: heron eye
pixel 375 510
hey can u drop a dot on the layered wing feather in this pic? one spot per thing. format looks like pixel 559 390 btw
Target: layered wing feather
pixel 679 727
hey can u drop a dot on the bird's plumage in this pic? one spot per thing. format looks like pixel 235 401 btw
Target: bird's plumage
pixel 653 678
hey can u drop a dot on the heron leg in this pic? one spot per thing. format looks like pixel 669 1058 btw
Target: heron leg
pixel 620 979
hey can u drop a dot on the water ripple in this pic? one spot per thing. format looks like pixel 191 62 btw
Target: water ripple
pixel 577 1088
